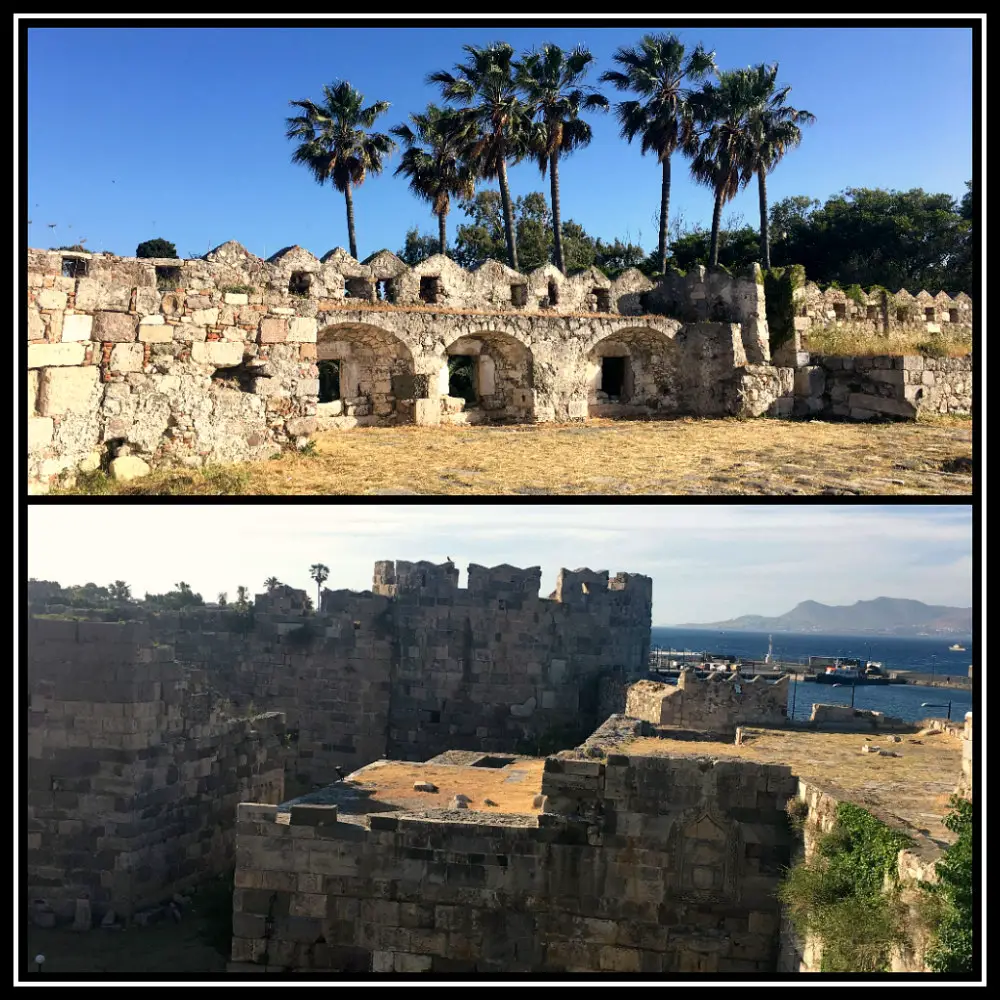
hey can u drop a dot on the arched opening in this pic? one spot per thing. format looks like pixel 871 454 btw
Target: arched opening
pixel 366 377
pixel 487 377
pixel 632 373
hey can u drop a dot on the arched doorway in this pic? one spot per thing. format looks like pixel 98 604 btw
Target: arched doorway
pixel 487 377
pixel 632 373
pixel 366 377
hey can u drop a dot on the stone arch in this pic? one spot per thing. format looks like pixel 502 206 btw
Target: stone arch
pixel 502 368
pixel 376 376
pixel 632 371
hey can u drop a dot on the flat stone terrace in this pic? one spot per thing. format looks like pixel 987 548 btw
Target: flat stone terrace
pixel 914 787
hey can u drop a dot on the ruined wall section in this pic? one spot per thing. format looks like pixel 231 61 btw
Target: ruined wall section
pixel 133 776
pixel 645 865
pixel 717 704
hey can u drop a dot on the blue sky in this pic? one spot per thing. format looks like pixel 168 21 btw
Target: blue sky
pixel 708 562
pixel 179 132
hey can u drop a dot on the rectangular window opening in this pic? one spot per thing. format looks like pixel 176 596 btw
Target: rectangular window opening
pixel 840 310
pixel 613 376
pixel 329 381
pixel 902 315
pixel 553 293
pixel 168 278
pixel 385 290
pixel 602 297
pixel 873 312
pixel 929 315
pixel 299 283
pixel 519 295
pixel 74 267
pixel 952 315
pixel 357 288
pixel 429 289
pixel 462 378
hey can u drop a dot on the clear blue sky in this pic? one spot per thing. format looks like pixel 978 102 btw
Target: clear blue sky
pixel 175 132
pixel 707 562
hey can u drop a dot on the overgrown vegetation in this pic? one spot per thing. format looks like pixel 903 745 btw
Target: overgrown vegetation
pixel 780 285
pixel 951 897
pixel 237 289
pixel 156 248
pixel 846 894
pixel 848 341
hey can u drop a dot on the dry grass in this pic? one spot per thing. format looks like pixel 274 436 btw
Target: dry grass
pixel 848 341
pixel 511 789
pixel 915 786
pixel 691 456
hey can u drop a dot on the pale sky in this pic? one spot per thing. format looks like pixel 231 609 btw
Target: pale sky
pixel 708 562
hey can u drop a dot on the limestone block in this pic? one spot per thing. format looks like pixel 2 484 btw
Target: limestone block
pixel 302 330
pixel 113 327
pixel 91 463
pixel 155 333
pixel 300 425
pixel 426 412
pixel 50 298
pixel 66 390
pixel 108 295
pixel 236 298
pixel 205 317
pixel 147 299
pixel 127 358
pixel 487 376
pixel 308 387
pixel 220 353
pixel 32 391
pixel 273 331
pixel 39 432
pixel 44 355
pixel 76 326
pixel 36 325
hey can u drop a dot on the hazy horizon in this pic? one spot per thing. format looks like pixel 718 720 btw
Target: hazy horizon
pixel 708 562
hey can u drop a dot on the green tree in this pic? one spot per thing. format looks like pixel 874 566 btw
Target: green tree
pixel 551 81
pixel 656 70
pixel 272 583
pixel 500 123
pixel 120 591
pixel 223 599
pixel 320 574
pixel 336 144
pixel 482 238
pixel 156 248
pixel 433 161
pixel 738 248
pixel 774 130
pixel 953 950
pixel 242 598
pixel 614 258
pixel 721 138
pixel 418 247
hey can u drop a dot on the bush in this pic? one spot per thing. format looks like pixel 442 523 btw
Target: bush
pixel 156 248
pixel 952 950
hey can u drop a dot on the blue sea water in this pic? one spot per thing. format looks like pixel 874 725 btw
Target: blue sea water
pixel 924 655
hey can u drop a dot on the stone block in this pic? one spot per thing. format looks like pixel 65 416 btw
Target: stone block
pixel 308 387
pixel 219 353
pixel 880 404
pixel 426 412
pixel 128 467
pixel 36 325
pixel 76 326
pixel 273 331
pixel 32 391
pixel 40 431
pixel 301 329
pixel 48 355
pixel 205 317
pixel 113 327
pixel 236 298
pixel 127 358
pixel 66 390
pixel 50 298
pixel 155 333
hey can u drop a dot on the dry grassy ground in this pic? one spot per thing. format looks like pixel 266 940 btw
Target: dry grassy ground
pixel 848 342
pixel 689 456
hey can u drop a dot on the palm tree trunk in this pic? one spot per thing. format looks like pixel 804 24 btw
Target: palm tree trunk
pixel 765 243
pixel 349 198
pixel 508 215
pixel 443 230
pixel 664 212
pixel 556 213
pixel 716 220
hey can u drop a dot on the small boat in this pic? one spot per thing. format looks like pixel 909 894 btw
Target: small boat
pixel 957 648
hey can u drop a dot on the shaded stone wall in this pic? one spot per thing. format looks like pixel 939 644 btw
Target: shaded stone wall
pixel 133 776
pixel 718 704
pixel 216 359
pixel 864 388
pixel 636 865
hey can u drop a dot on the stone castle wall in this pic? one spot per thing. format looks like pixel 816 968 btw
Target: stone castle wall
pixel 636 864
pixel 717 704
pixel 132 775
pixel 215 359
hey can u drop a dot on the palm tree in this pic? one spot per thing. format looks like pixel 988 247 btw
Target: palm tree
pixel 320 574
pixel 720 138
pixel 485 87
pixel 550 80
pixel 120 590
pixel 335 144
pixel 272 583
pixel 655 70
pixel 433 161
pixel 774 130
pixel 182 587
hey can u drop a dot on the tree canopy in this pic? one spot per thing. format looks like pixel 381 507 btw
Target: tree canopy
pixel 156 248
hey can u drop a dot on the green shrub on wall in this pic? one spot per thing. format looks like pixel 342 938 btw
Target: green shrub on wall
pixel 780 285
pixel 839 895
pixel 952 897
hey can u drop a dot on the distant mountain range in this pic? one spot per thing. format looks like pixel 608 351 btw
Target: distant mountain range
pixel 883 616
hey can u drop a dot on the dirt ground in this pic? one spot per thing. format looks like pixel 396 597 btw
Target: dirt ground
pixel 689 456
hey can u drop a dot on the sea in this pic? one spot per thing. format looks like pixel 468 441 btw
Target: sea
pixel 910 701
